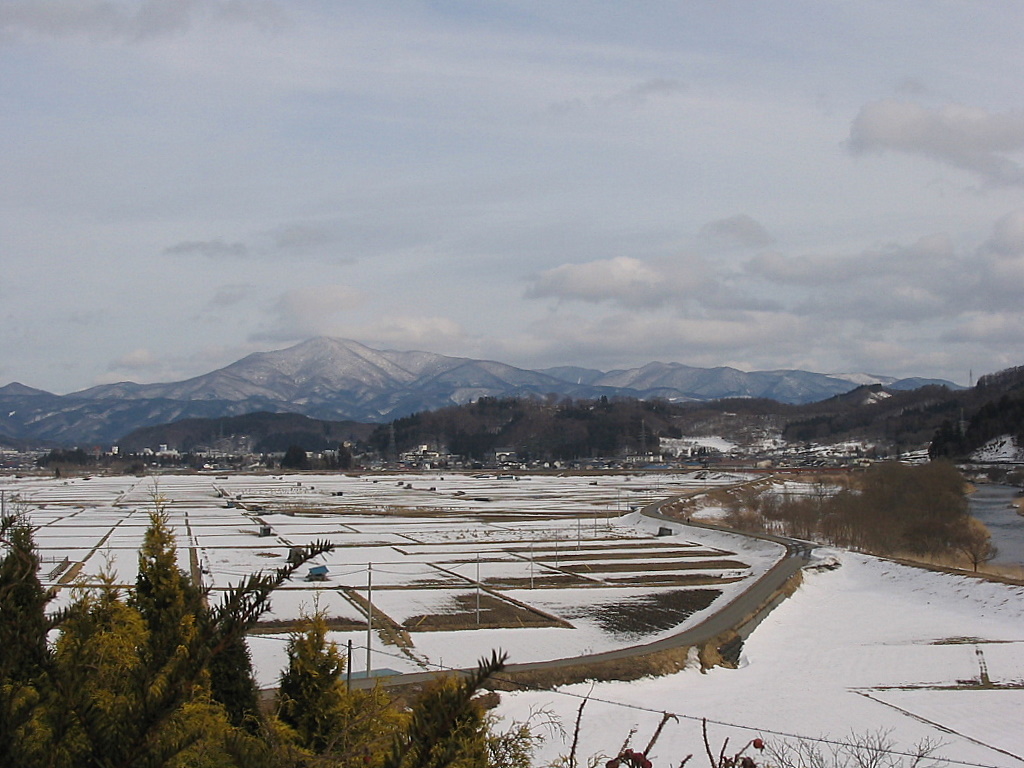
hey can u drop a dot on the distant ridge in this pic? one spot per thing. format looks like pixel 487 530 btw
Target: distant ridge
pixel 343 380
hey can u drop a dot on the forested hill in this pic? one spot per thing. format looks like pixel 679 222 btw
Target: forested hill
pixel 995 407
pixel 536 429
pixel 564 428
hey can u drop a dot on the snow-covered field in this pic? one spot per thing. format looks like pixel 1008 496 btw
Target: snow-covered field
pixel 868 646
pixel 560 565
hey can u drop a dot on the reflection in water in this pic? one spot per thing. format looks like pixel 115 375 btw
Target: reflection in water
pixel 993 505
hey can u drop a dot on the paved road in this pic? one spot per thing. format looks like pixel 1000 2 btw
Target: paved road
pixel 728 617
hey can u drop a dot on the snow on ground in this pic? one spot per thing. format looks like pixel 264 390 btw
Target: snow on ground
pixel 289 604
pixel 1002 448
pixel 870 645
pixel 823 663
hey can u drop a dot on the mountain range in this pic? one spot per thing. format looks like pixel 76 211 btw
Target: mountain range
pixel 340 379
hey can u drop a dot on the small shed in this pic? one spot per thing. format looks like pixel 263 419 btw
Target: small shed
pixel 317 573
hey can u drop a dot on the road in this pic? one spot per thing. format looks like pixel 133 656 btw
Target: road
pixel 729 617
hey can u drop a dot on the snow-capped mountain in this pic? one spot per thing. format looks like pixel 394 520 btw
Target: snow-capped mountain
pixel 340 379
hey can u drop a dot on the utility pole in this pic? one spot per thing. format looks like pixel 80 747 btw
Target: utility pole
pixel 369 615
pixel 348 667
pixel 478 589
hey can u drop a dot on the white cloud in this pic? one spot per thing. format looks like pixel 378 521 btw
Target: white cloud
pixel 964 137
pixel 431 333
pixel 311 311
pixel 623 280
pixel 990 328
pixel 140 359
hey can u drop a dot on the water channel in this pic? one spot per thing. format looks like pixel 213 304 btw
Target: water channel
pixel 993 505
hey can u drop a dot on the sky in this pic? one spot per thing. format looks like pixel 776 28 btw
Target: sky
pixel 829 186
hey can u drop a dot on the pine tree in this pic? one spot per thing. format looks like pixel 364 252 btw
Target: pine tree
pixel 233 684
pixel 446 727
pixel 23 622
pixel 164 595
pixel 25 658
pixel 310 692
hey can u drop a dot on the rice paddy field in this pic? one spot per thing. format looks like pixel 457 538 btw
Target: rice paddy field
pixel 446 566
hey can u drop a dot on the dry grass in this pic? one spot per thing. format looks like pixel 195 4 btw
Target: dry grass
pixel 633 668
pixel 1004 574
pixel 277 626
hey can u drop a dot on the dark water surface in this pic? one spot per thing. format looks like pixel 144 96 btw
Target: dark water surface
pixel 992 504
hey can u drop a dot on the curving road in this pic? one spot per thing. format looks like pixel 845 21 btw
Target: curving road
pixel 730 616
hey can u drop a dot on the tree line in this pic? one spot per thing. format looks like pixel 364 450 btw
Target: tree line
pixel 538 430
pixel 892 508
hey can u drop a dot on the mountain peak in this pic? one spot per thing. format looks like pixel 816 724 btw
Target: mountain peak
pixel 17 389
pixel 342 379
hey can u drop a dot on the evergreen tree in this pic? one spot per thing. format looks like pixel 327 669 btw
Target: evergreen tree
pixel 310 692
pixel 233 684
pixel 24 658
pixel 164 595
pixel 295 458
pixel 446 726
pixel 23 622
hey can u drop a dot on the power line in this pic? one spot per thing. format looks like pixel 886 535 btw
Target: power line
pixel 701 719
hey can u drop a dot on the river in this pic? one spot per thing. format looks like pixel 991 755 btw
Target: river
pixel 992 504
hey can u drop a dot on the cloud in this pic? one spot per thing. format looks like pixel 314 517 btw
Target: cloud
pixel 637 95
pixel 140 359
pixel 641 93
pixel 754 336
pixel 623 280
pixel 989 328
pixel 313 311
pixel 431 333
pixel 740 230
pixel 230 295
pixel 805 270
pixel 963 137
pixel 131 21
pixel 303 237
pixel 924 260
pixel 211 249
pixel 1008 235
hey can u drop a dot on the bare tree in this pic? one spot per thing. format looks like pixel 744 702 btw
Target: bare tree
pixel 973 540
